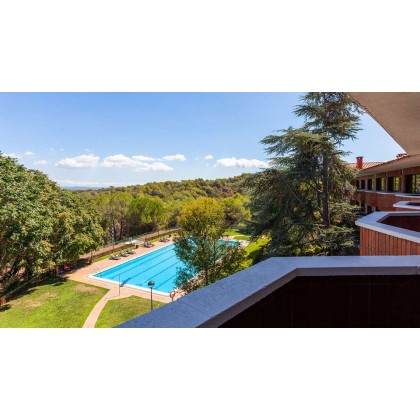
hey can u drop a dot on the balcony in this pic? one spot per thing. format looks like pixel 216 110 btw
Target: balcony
pixel 383 200
pixel 390 233
pixel 302 292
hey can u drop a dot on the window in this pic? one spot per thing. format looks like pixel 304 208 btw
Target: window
pixel 393 183
pixel 412 184
pixel 357 185
pixel 380 184
pixel 362 184
pixel 369 184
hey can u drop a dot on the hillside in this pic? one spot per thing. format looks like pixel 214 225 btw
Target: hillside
pixel 185 190
pixel 136 209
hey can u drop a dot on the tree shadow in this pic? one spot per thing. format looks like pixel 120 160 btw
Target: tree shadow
pixel 5 307
pixel 244 231
pixel 51 281
pixel 257 255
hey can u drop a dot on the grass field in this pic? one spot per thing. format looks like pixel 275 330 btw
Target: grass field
pixel 54 303
pixel 238 234
pixel 254 251
pixel 118 311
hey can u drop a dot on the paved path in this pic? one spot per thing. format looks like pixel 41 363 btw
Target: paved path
pixel 96 311
pixel 115 292
pixel 81 275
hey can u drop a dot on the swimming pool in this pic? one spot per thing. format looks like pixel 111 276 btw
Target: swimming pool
pixel 160 265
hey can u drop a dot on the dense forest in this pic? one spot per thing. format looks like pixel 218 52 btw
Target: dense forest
pixel 41 225
pixel 137 209
pixel 180 190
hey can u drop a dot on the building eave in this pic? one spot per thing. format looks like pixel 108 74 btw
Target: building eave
pixel 397 112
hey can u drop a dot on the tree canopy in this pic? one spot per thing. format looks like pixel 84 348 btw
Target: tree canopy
pixel 302 201
pixel 206 258
pixel 41 225
pixel 138 209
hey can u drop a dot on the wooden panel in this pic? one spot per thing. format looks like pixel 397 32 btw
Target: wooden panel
pixel 376 243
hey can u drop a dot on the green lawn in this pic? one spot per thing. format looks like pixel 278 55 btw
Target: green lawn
pixel 54 303
pixel 237 234
pixel 254 251
pixel 117 311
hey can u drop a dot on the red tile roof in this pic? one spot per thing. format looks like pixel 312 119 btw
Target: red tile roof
pixel 365 164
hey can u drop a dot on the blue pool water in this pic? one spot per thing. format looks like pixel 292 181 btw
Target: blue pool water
pixel 160 265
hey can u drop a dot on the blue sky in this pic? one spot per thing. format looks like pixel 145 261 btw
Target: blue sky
pixel 101 139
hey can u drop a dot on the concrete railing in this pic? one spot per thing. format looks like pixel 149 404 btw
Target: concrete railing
pixel 217 304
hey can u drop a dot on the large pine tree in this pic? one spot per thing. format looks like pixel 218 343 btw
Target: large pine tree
pixel 302 200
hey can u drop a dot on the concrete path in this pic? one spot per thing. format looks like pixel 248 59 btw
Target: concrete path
pixel 115 292
pixel 96 311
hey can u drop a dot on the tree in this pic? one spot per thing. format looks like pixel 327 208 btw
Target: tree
pixel 119 205
pixel 41 225
pixel 302 201
pixel 114 209
pixel 206 258
pixel 147 214
pixel 235 210
pixel 334 116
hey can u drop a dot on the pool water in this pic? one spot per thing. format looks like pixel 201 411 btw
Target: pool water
pixel 160 266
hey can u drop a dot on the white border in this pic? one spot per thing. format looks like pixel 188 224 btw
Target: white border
pixel 407 205
pixel 374 220
pixel 158 292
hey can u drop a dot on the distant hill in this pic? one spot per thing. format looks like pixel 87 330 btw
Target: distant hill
pixel 77 188
pixel 179 190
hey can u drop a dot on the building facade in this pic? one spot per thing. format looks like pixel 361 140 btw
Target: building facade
pixel 391 190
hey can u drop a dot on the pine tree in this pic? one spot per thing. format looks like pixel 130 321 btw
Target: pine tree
pixel 302 200
pixel 334 116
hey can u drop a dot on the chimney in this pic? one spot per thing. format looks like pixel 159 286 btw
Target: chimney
pixel 359 163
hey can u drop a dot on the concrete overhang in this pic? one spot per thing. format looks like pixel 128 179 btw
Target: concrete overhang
pixel 219 302
pixel 397 112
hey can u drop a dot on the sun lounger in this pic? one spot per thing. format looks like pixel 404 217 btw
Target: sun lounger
pixel 115 257
pixel 130 251
pixel 148 244
pixel 123 254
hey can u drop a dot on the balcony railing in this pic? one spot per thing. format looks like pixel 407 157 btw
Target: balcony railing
pixel 301 291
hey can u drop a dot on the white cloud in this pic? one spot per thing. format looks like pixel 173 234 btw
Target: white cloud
pixel 41 162
pixel 13 155
pixel 82 161
pixel 179 157
pixel 155 166
pixel 208 157
pixel 241 163
pixel 144 158
pixel 122 161
pixel 119 161
pixel 29 154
